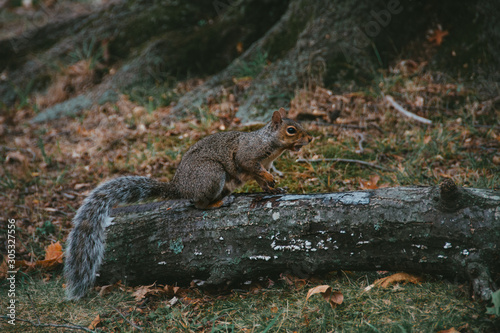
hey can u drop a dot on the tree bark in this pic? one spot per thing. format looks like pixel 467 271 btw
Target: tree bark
pixel 437 230
pixel 149 40
pixel 337 44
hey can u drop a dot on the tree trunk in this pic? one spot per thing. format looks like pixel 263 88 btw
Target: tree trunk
pixel 447 231
pixel 288 45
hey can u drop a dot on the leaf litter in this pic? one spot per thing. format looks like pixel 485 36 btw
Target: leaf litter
pixel 49 168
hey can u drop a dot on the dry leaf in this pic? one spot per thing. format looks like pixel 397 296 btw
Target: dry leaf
pixel 94 323
pixel 239 47
pixel 437 36
pixel 15 156
pixel 54 251
pixel 53 258
pixel 142 291
pixel 171 290
pixel 293 281
pixel 172 301
pixel 419 101
pixel 370 184
pixel 104 290
pixel 335 298
pixel 396 278
pixel 318 289
pixel 79 186
pixel 451 330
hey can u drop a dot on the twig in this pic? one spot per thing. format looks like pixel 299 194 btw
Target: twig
pixel 33 155
pixel 73 327
pixel 338 125
pixel 375 126
pixel 406 113
pixel 276 171
pixel 489 103
pixel 131 323
pixel 344 160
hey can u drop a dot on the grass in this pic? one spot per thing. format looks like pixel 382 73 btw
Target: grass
pixel 24 93
pixel 89 51
pixel 428 307
pixel 252 67
pixel 153 96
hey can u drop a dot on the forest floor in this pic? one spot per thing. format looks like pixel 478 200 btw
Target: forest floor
pixel 47 169
pixel 361 141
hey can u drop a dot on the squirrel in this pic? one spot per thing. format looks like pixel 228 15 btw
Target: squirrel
pixel 208 172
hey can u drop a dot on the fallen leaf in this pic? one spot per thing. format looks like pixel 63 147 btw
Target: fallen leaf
pixel 335 298
pixel 293 281
pixel 451 330
pixel 53 258
pixel 370 184
pixel 104 290
pixel 142 291
pixel 495 309
pixel 396 278
pixel 318 289
pixel 79 186
pixel 239 47
pixel 15 156
pixel 94 323
pixel 437 36
pixel 54 251
pixel 419 101
pixel 173 301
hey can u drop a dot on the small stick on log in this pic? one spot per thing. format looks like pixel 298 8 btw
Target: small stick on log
pixel 405 112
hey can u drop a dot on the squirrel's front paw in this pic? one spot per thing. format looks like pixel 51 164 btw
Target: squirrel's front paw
pixel 270 184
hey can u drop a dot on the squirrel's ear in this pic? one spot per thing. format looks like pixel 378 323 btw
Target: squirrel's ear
pixel 277 118
pixel 282 111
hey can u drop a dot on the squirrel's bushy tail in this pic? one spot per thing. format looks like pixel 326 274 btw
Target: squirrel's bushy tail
pixel 85 244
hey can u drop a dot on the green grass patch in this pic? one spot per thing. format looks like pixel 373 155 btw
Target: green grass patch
pixel 427 307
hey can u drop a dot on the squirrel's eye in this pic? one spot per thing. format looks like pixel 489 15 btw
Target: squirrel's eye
pixel 291 130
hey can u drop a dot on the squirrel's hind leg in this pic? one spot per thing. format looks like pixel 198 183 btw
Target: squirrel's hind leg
pixel 210 187
pixel 224 202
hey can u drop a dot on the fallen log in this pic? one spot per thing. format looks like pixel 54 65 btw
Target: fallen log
pixel 442 230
